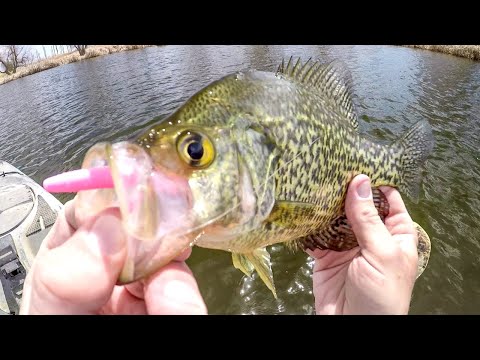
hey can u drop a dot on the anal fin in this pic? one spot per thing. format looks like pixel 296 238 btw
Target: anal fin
pixel 259 260
pixel 338 235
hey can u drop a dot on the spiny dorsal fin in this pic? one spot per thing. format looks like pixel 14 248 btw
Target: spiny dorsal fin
pixel 333 80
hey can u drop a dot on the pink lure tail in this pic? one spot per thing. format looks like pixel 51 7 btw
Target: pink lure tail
pixel 78 180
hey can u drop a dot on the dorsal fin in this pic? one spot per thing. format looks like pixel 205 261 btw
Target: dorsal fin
pixel 332 80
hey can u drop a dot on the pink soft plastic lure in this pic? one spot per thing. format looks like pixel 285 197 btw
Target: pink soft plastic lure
pixel 78 180
pixel 101 178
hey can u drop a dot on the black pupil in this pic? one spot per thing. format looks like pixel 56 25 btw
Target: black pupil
pixel 195 150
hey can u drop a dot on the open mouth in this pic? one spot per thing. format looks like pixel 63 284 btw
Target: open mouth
pixel 155 205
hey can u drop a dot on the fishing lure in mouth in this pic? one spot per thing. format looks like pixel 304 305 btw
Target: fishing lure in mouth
pixel 155 204
pixel 79 180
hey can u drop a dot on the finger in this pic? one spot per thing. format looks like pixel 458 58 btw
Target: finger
pixel 77 218
pixel 184 255
pixel 79 275
pixel 317 253
pixel 329 259
pixel 137 288
pixel 174 290
pixel 122 302
pixel 398 221
pixel 69 210
pixel 61 231
pixel 369 229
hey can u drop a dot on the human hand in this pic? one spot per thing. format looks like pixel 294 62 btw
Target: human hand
pixel 76 270
pixel 378 276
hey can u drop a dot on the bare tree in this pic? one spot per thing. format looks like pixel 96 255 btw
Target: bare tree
pixel 12 57
pixel 35 55
pixel 81 49
pixel 44 51
pixel 54 50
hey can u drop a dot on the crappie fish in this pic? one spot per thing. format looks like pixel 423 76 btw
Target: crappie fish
pixel 254 159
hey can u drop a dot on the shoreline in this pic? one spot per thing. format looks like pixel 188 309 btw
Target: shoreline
pixel 471 52
pixel 71 57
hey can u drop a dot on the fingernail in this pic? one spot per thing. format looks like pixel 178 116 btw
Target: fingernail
pixel 364 190
pixel 179 292
pixel 109 234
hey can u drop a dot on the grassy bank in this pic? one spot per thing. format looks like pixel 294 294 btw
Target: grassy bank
pixel 468 51
pixel 93 51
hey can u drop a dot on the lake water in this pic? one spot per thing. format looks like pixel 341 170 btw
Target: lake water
pixel 48 120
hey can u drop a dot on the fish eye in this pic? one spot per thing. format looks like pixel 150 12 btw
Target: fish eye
pixel 195 149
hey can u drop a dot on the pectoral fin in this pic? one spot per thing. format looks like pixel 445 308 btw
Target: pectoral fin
pixel 241 262
pixel 290 213
pixel 259 260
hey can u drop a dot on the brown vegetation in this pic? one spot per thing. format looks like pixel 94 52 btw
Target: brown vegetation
pixel 468 51
pixel 74 56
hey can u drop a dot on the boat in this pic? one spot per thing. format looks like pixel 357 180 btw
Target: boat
pixel 27 214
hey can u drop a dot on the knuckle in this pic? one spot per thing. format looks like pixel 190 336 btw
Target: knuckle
pixel 410 253
pixel 369 216
pixel 47 284
pixel 406 257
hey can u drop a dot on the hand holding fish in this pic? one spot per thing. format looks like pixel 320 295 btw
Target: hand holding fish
pixel 78 276
pixel 77 267
pixel 378 276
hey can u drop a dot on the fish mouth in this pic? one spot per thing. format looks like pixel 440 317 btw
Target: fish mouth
pixel 155 207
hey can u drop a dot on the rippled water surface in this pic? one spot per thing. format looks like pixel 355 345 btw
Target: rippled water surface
pixel 48 121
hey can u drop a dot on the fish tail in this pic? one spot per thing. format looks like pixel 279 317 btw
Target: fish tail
pixel 416 145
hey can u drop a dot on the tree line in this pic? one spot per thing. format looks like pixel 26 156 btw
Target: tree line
pixel 13 57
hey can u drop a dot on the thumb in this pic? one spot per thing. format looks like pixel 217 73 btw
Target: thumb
pixel 369 229
pixel 78 276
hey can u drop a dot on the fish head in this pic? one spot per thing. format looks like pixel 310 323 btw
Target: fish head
pixel 205 158
pixel 217 163
pixel 183 179
pixel 207 184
